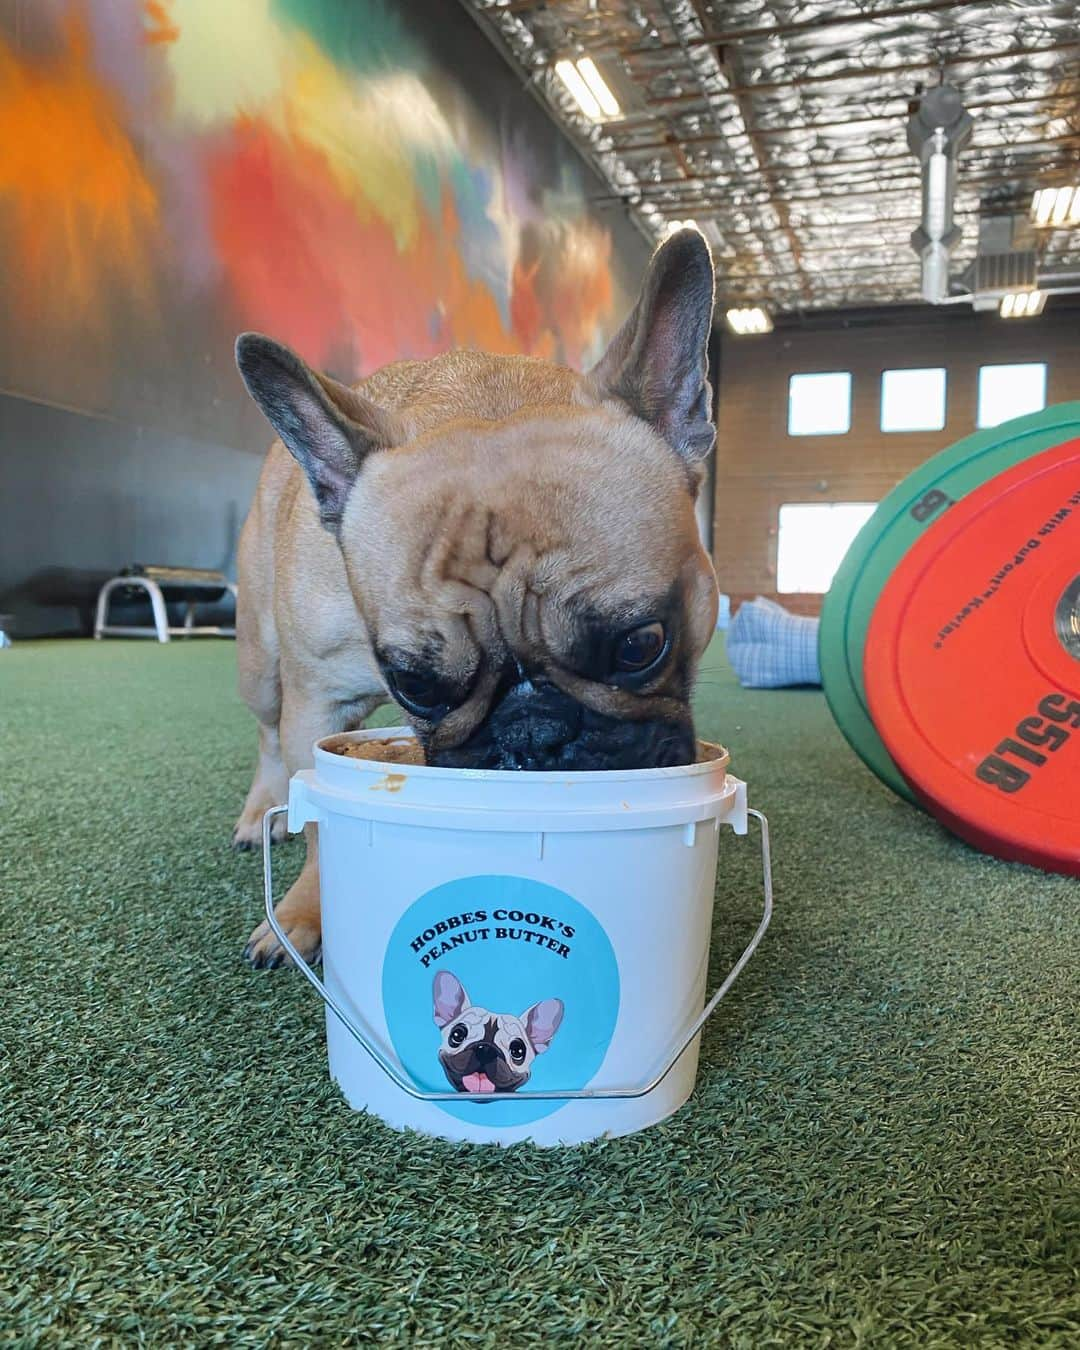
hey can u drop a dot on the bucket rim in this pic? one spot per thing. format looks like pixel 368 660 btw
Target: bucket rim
pixel 717 764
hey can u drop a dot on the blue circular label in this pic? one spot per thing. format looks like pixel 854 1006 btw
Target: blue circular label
pixel 500 984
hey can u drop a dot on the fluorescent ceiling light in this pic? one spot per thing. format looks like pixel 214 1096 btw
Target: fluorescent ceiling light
pixel 587 87
pixel 609 104
pixel 1022 304
pixel 578 89
pixel 749 319
pixel 674 226
pixel 1041 205
pixel 1056 206
pixel 1062 206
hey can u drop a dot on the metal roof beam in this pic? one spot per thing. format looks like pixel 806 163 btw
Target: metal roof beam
pixel 872 72
pixel 727 37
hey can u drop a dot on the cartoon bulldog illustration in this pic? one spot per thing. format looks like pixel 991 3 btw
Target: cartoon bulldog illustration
pixel 484 1051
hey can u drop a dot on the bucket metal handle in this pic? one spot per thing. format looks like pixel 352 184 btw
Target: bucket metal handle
pixel 547 1094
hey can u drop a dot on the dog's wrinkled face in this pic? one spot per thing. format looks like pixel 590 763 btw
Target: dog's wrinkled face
pixel 489 1052
pixel 533 585
pixel 551 609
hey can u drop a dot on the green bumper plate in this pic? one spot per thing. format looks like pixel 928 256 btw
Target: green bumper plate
pixel 912 507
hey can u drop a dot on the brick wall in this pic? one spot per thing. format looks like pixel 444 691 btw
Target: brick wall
pixel 759 466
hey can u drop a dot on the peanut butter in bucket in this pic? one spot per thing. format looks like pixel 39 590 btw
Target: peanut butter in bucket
pixel 398 750
pixel 407 750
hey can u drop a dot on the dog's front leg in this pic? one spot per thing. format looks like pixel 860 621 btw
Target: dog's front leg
pixel 298 913
pixel 269 786
pixel 302 724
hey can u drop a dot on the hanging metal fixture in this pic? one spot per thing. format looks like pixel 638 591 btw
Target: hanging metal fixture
pixel 937 131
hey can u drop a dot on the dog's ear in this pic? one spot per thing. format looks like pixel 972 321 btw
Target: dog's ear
pixel 542 1021
pixel 657 363
pixel 450 998
pixel 329 429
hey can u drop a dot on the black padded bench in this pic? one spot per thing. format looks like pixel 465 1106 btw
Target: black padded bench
pixel 189 585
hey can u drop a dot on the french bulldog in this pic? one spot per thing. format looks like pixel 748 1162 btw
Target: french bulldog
pixel 489 1052
pixel 504 547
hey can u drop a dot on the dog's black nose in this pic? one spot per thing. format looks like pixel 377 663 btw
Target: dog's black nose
pixel 533 723
pixel 484 1053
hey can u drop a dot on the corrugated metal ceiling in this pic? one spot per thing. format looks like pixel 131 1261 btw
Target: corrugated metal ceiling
pixel 780 127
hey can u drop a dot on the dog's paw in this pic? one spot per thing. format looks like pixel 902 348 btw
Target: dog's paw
pixel 265 952
pixel 247 832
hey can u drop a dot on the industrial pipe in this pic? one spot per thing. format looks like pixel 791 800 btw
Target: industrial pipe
pixel 936 133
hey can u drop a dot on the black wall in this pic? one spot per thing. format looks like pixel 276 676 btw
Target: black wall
pixel 83 496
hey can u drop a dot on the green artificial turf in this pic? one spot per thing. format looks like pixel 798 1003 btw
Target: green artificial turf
pixel 878 1151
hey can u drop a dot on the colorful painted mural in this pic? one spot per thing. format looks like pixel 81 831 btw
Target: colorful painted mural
pixel 175 171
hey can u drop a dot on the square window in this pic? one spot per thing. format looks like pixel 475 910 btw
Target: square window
pixel 819 405
pixel 1010 391
pixel 813 538
pixel 913 400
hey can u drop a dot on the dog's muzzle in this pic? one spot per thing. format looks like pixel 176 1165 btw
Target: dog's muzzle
pixel 537 726
pixel 481 1068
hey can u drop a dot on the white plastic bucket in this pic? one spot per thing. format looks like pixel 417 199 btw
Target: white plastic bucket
pixel 515 955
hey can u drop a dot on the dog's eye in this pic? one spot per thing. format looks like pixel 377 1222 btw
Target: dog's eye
pixel 458 1034
pixel 640 648
pixel 422 695
pixel 517 1050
